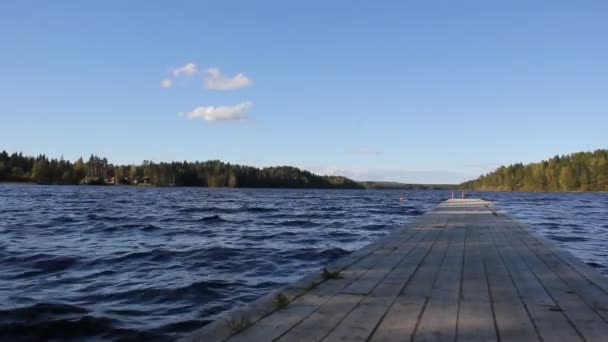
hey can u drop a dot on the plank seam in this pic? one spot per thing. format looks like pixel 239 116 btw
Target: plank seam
pixel 343 318
pixel 500 254
pixel 464 248
pixel 553 298
pixel 548 292
pixel 450 243
pixel 430 247
pixel 485 272
pixel 419 318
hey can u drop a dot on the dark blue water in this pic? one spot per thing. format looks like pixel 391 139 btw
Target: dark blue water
pixel 124 263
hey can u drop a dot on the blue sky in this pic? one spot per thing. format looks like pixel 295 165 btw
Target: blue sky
pixel 413 91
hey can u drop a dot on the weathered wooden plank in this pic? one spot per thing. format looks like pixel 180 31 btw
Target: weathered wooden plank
pixel 403 272
pixel 440 315
pixel 361 322
pixel 512 319
pixel 321 322
pixel 424 276
pixel 587 322
pixel 276 324
pixel 551 323
pixel 396 252
pixel 400 320
pixel 586 289
pixel 475 314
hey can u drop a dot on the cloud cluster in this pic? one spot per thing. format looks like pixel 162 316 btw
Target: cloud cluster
pixel 212 78
pixel 166 83
pixel 366 151
pixel 215 80
pixel 189 69
pixel 220 113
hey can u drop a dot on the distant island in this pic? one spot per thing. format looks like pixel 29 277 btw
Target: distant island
pixel 582 171
pixel 406 186
pixel 98 171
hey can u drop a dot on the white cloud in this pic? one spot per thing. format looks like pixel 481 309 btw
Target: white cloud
pixel 187 70
pixel 220 113
pixel 366 151
pixel 166 83
pixel 215 80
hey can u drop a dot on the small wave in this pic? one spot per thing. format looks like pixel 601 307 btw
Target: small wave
pixel 156 254
pixel 595 265
pixel 259 237
pixel 212 218
pixel 563 238
pixel 221 253
pixel 81 328
pixel 332 208
pixel 182 326
pixel 40 311
pixel 97 217
pixel 335 224
pixel 55 264
pixel 260 209
pixel 342 234
pixel 296 223
pixel 144 227
pixel 333 253
pixel 63 219
pixel 313 253
pixel 374 227
pixel 209 210
pixel 299 254
pixel 306 216
pixel 410 211
pixel 550 225
pixel 197 292
pixel 43 262
pixel 280 216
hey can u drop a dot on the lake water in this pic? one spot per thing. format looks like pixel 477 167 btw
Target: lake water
pixel 157 263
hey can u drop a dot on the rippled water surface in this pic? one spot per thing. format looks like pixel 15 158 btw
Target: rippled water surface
pixel 156 263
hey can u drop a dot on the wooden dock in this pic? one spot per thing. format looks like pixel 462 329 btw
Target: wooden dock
pixel 465 271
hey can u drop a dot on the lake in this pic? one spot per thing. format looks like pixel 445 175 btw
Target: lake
pixel 157 263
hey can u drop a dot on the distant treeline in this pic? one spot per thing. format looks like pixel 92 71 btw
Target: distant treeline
pixel 98 171
pixel 405 186
pixel 583 171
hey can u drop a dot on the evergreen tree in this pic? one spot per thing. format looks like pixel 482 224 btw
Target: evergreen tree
pixel 583 171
